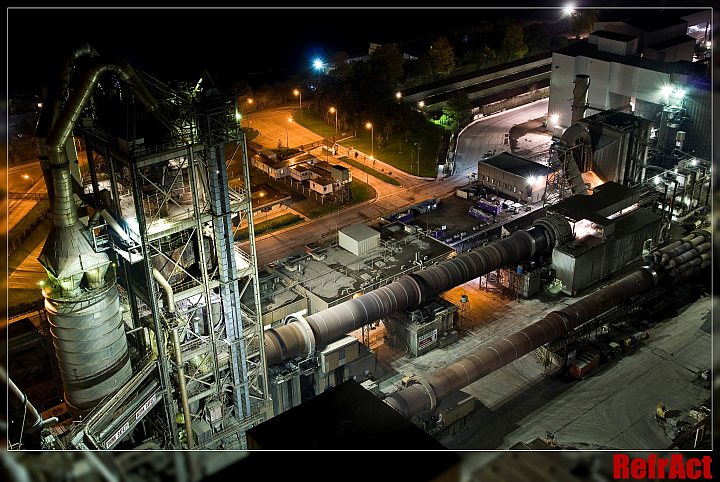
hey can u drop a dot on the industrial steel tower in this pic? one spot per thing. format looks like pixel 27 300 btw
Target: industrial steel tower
pixel 184 311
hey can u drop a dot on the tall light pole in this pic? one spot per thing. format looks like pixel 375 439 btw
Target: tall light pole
pixel 333 110
pixel 297 93
pixel 372 140
pixel 287 135
pixel 249 103
pixel 418 159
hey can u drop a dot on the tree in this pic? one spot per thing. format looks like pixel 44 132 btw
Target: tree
pixel 440 58
pixel 513 44
pixel 582 21
pixel 388 63
pixel 458 106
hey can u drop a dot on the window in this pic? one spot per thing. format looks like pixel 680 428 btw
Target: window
pixel 341 353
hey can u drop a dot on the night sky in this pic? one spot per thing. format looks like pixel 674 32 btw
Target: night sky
pixel 244 43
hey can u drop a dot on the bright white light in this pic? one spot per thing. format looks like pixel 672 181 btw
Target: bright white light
pixel 421 104
pixel 318 64
pixel 532 180
pixel 679 93
pixel 656 180
pixel 554 119
pixel 708 45
pixel 569 10
pixel 398 95
pixel 666 90
pixel 694 162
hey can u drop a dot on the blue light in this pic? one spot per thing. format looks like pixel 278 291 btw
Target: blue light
pixel 318 64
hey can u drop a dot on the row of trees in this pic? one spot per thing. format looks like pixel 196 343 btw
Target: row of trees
pixel 364 89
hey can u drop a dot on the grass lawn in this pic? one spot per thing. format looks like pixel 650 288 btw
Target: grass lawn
pixel 359 192
pixel 396 151
pixel 371 171
pixel 270 225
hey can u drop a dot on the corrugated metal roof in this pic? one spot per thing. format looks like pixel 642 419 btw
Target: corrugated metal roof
pixel 516 165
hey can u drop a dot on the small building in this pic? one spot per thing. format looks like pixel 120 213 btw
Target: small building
pixel 301 172
pixel 340 174
pixel 610 229
pixel 275 169
pixel 358 238
pixel 513 176
pixel 419 330
pixel 321 185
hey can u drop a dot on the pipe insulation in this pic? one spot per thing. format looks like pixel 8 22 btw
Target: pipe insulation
pixel 169 295
pixel 426 394
pixel 302 334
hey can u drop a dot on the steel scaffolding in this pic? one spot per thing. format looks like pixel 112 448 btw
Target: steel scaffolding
pixel 168 220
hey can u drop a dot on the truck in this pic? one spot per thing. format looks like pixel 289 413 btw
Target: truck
pixel 585 364
pixel 480 215
pixel 493 209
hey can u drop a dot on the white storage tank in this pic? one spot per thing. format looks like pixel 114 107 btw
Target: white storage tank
pixel 358 238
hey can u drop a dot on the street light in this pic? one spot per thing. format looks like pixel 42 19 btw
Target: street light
pixel 28 178
pixel 297 93
pixel 417 144
pixel 333 110
pixel 287 135
pixel 372 140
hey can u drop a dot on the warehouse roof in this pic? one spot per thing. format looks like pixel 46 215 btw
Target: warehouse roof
pixel 516 165
pixel 607 199
pixel 621 37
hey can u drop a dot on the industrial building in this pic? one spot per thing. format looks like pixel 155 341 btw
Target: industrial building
pixel 657 56
pixel 514 177
pixel 167 335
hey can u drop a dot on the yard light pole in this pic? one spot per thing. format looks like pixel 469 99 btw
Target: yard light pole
pixel 287 135
pixel 298 93
pixel 333 110
pixel 372 140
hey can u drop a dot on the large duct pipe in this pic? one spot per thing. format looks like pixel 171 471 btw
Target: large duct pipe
pixel 303 334
pixel 574 135
pixel 52 106
pixel 169 295
pixel 183 390
pixel 580 97
pixel 426 394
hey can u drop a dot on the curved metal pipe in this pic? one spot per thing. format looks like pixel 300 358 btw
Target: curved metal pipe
pixel 170 295
pixel 426 394
pixel 25 422
pixel 52 106
pixel 411 290
pixel 183 390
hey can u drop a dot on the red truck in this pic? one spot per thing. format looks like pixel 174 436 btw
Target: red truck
pixel 584 365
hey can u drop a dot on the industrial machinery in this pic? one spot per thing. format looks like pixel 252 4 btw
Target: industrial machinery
pixel 144 279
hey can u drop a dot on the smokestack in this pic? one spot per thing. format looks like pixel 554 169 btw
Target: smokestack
pixel 580 96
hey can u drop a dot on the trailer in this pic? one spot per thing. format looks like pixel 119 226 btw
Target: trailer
pixel 480 215
pixel 493 209
pixel 584 365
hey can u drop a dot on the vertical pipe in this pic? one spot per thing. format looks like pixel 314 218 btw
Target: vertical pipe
pixel 183 388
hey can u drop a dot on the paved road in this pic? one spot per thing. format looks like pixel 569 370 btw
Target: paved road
pixel 16 183
pixel 477 139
